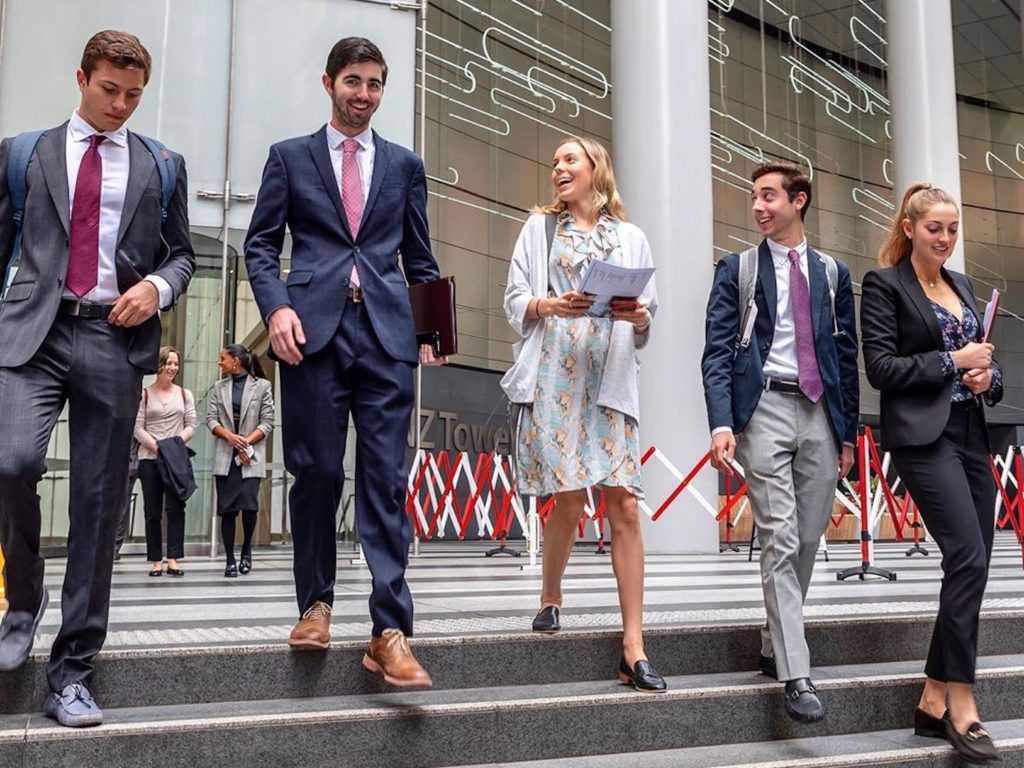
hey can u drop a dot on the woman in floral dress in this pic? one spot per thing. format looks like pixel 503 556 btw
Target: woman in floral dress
pixel 576 378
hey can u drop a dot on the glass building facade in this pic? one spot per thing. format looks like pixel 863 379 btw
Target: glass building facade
pixel 484 90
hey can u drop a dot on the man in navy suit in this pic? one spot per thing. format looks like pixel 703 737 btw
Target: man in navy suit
pixel 786 404
pixel 342 325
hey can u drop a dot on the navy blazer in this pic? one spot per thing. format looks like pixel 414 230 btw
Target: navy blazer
pixel 733 383
pixel 300 191
pixel 902 348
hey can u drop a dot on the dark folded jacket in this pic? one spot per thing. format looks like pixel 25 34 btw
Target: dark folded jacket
pixel 174 460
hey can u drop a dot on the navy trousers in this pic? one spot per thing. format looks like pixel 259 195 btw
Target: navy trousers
pixel 351 375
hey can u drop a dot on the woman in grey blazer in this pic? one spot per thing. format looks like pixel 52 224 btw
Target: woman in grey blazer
pixel 241 416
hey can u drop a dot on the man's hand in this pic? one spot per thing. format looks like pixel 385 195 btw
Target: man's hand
pixel 243 456
pixel 845 461
pixel 723 448
pixel 136 305
pixel 427 356
pixel 286 336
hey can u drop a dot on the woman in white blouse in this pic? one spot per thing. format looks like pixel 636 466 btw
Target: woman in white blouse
pixel 166 410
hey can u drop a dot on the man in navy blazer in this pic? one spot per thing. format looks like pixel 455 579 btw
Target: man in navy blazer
pixel 787 405
pixel 342 325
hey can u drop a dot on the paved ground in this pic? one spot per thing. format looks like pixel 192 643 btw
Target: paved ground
pixel 459 591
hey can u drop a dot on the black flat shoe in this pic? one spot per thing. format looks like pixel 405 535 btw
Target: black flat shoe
pixel 975 745
pixel 929 725
pixel 244 566
pixel 802 702
pixel 768 668
pixel 231 572
pixel 157 572
pixel 546 620
pixel 642 676
pixel 175 572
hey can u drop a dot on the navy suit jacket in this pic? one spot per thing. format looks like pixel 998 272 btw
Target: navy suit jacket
pixel 299 190
pixel 733 383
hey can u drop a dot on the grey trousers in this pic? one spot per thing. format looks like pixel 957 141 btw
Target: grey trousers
pixel 791 462
pixel 84 363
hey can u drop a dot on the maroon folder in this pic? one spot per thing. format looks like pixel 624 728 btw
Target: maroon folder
pixel 433 315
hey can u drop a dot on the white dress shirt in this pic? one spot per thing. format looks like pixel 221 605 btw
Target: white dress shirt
pixel 115 159
pixel 364 156
pixel 781 362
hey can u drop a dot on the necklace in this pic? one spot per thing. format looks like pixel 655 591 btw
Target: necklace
pixel 929 283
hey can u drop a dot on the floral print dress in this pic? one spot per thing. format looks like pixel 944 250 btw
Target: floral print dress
pixel 567 441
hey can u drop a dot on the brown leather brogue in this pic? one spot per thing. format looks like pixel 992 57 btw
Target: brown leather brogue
pixel 390 657
pixel 313 632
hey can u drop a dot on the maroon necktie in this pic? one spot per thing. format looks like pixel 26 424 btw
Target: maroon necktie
pixel 84 248
pixel 808 375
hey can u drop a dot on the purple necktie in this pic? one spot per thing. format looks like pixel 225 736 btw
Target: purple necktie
pixel 84 240
pixel 806 359
pixel 351 194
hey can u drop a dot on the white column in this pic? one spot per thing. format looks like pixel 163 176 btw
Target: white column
pixel 662 143
pixel 922 89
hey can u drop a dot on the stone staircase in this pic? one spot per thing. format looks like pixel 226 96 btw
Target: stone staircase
pixel 518 700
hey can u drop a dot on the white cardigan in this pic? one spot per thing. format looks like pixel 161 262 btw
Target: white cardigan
pixel 528 279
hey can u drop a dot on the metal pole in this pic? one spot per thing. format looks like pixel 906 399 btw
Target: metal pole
pixel 422 141
pixel 222 328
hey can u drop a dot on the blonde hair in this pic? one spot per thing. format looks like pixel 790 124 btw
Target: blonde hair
pixel 917 201
pixel 606 195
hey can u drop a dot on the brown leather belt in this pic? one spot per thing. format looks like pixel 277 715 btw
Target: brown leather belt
pixel 355 295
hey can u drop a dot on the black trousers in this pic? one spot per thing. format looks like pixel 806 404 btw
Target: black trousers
pixel 951 482
pixel 83 363
pixel 352 376
pixel 159 499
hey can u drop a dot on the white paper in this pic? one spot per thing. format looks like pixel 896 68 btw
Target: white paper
pixel 608 281
pixel 990 313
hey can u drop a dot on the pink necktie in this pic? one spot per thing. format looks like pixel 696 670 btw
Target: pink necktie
pixel 84 240
pixel 351 194
pixel 808 376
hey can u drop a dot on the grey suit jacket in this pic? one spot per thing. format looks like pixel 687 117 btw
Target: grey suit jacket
pixel 144 247
pixel 257 413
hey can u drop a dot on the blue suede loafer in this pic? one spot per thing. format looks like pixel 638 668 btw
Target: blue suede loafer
pixel 73 707
pixel 18 633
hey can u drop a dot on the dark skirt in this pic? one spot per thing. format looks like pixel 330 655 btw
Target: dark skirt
pixel 235 493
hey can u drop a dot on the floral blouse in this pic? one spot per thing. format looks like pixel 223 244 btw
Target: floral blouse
pixel 955 335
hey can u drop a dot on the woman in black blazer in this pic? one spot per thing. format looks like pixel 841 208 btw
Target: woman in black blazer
pixel 923 351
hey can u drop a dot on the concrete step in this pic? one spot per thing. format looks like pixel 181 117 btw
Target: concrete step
pixel 133 678
pixel 481 725
pixel 878 749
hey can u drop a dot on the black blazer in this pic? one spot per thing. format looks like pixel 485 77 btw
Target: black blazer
pixel 902 345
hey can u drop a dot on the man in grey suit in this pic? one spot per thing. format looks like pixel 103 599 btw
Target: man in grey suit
pixel 79 326
pixel 782 391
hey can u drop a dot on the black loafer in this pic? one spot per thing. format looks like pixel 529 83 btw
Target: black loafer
pixel 231 572
pixel 929 726
pixel 975 745
pixel 546 619
pixel 768 668
pixel 802 702
pixel 175 572
pixel 244 566
pixel 642 676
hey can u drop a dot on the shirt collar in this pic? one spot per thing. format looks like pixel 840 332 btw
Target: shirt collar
pixel 780 253
pixel 335 137
pixel 81 130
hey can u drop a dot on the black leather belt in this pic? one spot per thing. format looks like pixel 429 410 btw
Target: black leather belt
pixel 782 385
pixel 87 310
pixel 355 295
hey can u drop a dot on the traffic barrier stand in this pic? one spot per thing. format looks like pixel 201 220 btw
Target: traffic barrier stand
pixel 1013 472
pixel 870 509
pixel 916 525
pixel 509 509
pixel 741 503
pixel 596 514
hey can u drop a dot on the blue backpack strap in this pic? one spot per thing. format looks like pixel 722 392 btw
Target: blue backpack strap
pixel 22 147
pixel 168 172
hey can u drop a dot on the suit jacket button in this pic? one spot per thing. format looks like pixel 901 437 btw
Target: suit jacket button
pixel 344 281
